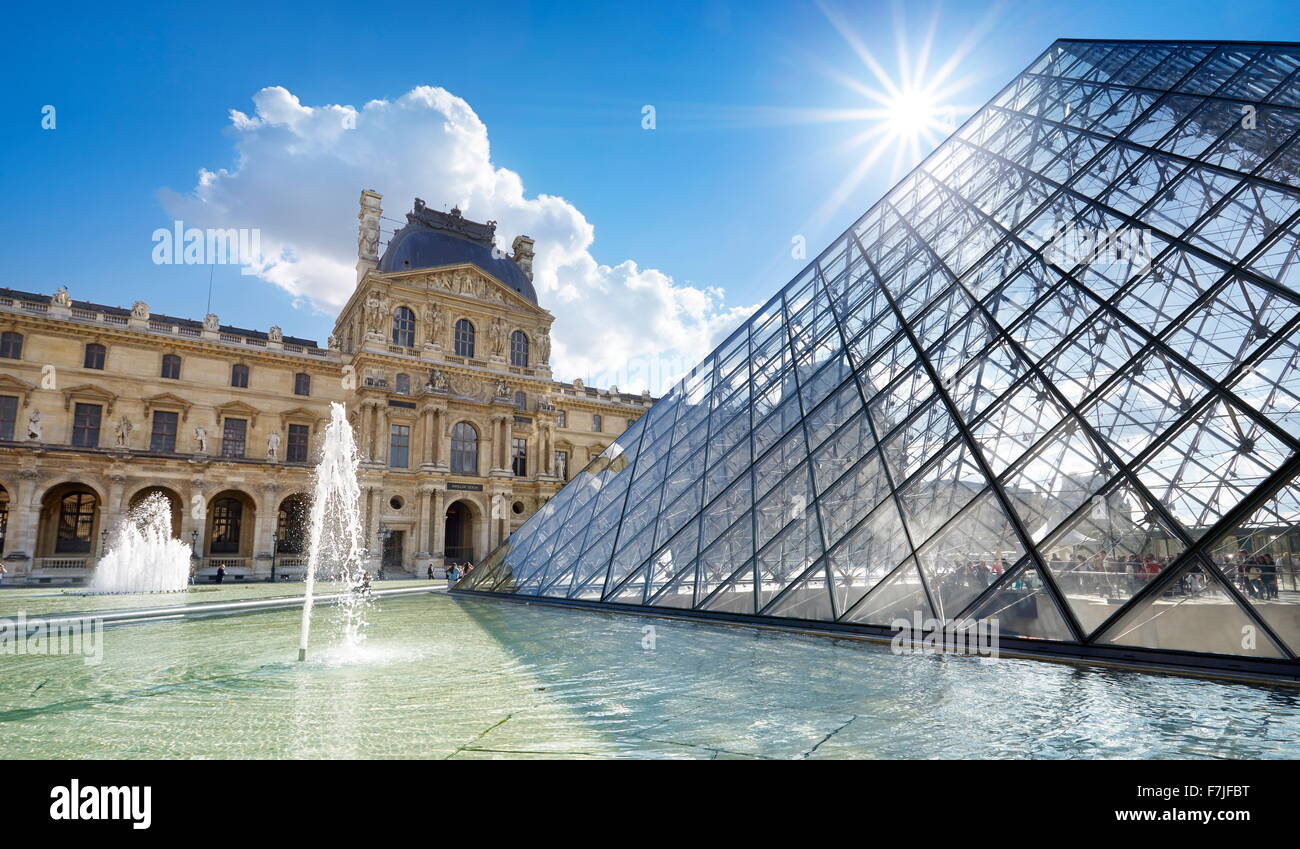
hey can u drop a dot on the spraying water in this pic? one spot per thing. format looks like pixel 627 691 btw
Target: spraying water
pixel 143 557
pixel 336 535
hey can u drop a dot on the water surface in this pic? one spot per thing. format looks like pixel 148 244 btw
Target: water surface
pixel 444 677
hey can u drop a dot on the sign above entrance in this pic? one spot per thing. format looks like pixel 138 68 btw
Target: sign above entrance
pixel 466 487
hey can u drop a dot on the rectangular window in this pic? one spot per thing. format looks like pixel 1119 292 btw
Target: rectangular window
pixel 562 464
pixel 519 458
pixel 561 418
pixel 163 439
pixel 85 425
pixel 302 384
pixel 8 416
pixel 299 439
pixel 399 446
pixel 233 438
pixel 595 422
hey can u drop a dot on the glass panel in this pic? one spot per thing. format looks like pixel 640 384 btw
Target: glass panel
pixel 1192 610
pixel 1261 557
pixel 1023 607
pixel 968 555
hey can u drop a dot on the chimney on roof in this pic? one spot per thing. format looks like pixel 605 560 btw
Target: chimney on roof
pixel 523 256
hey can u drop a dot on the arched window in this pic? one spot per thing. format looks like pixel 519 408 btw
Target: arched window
pixel 464 449
pixel 519 349
pixel 521 401
pixel 239 376
pixel 171 367
pixel 403 384
pixel 95 354
pixel 291 525
pixel 404 327
pixel 464 338
pixel 11 345
pixel 302 384
pixel 227 515
pixel 76 523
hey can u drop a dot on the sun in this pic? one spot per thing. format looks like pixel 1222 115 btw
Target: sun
pixel 906 113
pixel 914 114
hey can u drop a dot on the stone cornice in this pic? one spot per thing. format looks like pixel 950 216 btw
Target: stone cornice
pixel 104 333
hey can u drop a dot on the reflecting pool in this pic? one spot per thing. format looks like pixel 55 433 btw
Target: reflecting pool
pixel 444 677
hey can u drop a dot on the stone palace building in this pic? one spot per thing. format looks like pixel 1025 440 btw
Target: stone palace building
pixel 441 357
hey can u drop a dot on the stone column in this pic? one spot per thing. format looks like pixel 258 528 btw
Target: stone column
pixel 191 523
pixel 422 523
pixel 110 514
pixel 381 434
pixel 438 516
pixel 24 523
pixel 268 513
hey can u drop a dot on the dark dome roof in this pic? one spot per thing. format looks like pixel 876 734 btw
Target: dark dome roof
pixel 418 245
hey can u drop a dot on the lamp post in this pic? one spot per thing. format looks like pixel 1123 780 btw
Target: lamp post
pixel 194 556
pixel 275 546
pixel 103 542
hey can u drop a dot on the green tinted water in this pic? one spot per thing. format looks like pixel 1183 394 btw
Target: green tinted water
pixel 446 677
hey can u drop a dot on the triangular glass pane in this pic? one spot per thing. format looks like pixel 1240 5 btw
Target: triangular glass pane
pixel 1023 607
pixel 807 598
pixel 901 596
pixel 867 553
pixel 1261 557
pixel 1191 610
pixel 1211 464
pixel 969 554
pixel 735 594
pixel 1111 548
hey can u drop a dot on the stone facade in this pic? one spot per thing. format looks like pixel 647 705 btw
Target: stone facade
pixel 443 370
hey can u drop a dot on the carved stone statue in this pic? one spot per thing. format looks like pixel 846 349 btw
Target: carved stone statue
pixel 123 431
pixel 498 506
pixel 498 336
pixel 333 343
pixel 437 381
pixel 201 440
pixel 211 322
pixel 577 383
pixel 503 389
pixel 34 426
pixel 376 314
pixel 275 334
pixel 437 322
pixel 61 297
pixel 140 310
pixel 544 348
pixel 273 445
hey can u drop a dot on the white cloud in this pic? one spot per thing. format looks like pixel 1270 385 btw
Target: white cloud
pixel 300 168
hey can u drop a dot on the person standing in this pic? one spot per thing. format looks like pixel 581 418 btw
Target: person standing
pixel 221 574
pixel 2 573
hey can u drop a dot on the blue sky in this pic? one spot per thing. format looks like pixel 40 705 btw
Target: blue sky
pixel 711 197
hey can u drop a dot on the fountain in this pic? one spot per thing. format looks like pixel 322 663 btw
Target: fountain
pixel 335 536
pixel 143 557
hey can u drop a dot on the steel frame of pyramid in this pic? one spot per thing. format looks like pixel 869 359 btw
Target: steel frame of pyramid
pixel 1049 379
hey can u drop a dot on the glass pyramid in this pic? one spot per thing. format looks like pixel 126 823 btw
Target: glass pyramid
pixel 1051 378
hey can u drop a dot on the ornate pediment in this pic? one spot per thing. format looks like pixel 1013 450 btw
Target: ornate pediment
pixel 16 386
pixel 469 281
pixel 301 415
pixel 89 393
pixel 238 409
pixel 166 400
